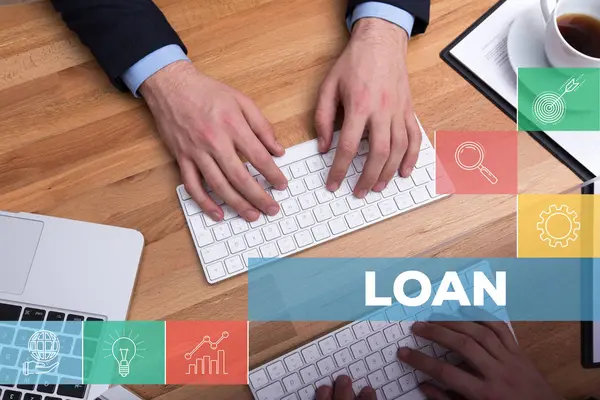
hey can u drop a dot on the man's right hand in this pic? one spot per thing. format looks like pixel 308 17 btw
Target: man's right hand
pixel 205 124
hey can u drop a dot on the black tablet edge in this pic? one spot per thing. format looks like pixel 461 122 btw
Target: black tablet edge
pixel 587 327
pixel 542 138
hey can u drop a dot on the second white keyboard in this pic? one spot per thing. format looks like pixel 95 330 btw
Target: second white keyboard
pixel 309 215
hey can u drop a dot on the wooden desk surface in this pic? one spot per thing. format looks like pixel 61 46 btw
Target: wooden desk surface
pixel 72 146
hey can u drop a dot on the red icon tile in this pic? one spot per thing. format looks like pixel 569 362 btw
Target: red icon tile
pixel 207 352
pixel 477 162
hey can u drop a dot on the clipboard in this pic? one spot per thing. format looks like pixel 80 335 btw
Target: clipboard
pixel 542 138
pixel 587 328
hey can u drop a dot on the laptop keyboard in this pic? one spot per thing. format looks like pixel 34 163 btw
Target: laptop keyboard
pixel 309 215
pixel 17 323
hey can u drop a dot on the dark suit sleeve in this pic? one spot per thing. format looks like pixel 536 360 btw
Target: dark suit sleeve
pixel 418 8
pixel 118 32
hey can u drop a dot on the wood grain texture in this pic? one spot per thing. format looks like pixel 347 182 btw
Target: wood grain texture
pixel 73 146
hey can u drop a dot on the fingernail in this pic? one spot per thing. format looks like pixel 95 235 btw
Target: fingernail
pixel 403 352
pixel 215 216
pixel 279 146
pixel 272 210
pixel 361 193
pixel 282 186
pixel 406 172
pixel 343 380
pixel 333 186
pixel 252 215
pixel 380 186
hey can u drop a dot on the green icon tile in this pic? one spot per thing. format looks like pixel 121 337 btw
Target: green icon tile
pixel 557 99
pixel 124 352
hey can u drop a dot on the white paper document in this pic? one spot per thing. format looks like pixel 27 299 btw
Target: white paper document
pixel 484 52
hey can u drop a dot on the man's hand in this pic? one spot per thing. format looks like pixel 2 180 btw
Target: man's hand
pixel 371 82
pixel 342 390
pixel 497 369
pixel 205 123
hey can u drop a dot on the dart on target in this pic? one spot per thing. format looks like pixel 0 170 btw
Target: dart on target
pixel 550 108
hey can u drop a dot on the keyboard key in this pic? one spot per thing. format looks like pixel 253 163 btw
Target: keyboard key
pixel 307 201
pixel 55 316
pixel 315 163
pixel 408 382
pixel 22 338
pixel 183 193
pixel 248 255
pixel 66 344
pixel 326 366
pixel 404 184
pixel 222 231
pixel 376 341
pixel 272 392
pixel 262 181
pixel 236 244
pixel 343 190
pixel 238 226
pixel 259 222
pixel 419 176
pixel 329 157
pixel 357 369
pixel 392 334
pixel 391 390
pixel 276 217
pixel 288 226
pixel 361 329
pixel 372 197
pixel 47 384
pixel 431 189
pixel 286 245
pixel 6 334
pixel 371 213
pixel 408 341
pixel 419 195
pixel 393 371
pixel 292 382
pixel 293 362
pixel 359 349
pixel 340 372
pixel 313 181
pixel 359 163
pixel 191 207
pixel 208 221
pixel 390 190
pixel 269 250
pixel 322 213
pixel 338 207
pixel 305 219
pixel 290 207
pixel 309 374
pixel 307 393
pixel 254 238
pixel 9 312
pixel 426 157
pixel 389 352
pixel 343 357
pixel 75 390
pixel 324 382
pixel 32 396
pixel 298 169
pixel 387 207
pixel 320 232
pixel 280 195
pixel 12 395
pixel 258 378
pixel 354 202
pixel 286 172
pixel 303 238
pixel 359 385
pixel 311 353
pixel 296 187
pixel 323 195
pixel 234 264
pixel 74 328
pixel 33 315
pixel 9 356
pixel 344 337
pixel 376 379
pixel 374 361
pixel 327 345
pixel 271 232
pixel 253 171
pixel 404 201
pixel 337 226
pixel 203 237
pixel 214 253
pixel 276 370
pixel 215 271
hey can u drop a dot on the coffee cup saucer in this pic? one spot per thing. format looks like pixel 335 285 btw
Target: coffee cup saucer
pixel 526 39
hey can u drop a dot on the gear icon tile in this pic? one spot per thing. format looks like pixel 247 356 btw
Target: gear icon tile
pixel 559 215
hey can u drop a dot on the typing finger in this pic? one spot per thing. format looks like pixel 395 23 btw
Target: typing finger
pixel 324 393
pixel 352 130
pixel 454 378
pixel 434 393
pixel 379 153
pixel 260 126
pixel 193 185
pixel 367 393
pixel 399 145
pixel 415 137
pixel 325 113
pixel 342 389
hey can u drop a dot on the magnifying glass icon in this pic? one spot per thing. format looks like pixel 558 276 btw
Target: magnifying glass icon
pixel 469 156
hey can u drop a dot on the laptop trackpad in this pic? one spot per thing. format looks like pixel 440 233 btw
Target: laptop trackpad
pixel 19 239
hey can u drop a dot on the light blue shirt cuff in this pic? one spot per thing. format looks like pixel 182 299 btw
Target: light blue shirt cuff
pixel 151 64
pixel 375 9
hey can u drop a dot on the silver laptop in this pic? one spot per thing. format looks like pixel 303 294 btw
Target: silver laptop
pixel 54 270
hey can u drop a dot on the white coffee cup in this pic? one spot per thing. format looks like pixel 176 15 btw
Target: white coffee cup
pixel 560 53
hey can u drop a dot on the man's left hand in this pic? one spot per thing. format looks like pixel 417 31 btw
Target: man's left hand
pixel 371 81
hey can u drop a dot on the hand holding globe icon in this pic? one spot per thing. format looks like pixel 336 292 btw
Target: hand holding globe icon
pixel 43 347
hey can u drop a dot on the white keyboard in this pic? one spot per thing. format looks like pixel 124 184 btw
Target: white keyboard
pixel 309 214
pixel 365 351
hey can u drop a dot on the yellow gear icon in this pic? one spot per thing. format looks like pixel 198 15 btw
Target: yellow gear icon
pixel 559 215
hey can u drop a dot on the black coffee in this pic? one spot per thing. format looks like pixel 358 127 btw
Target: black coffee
pixel 582 32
